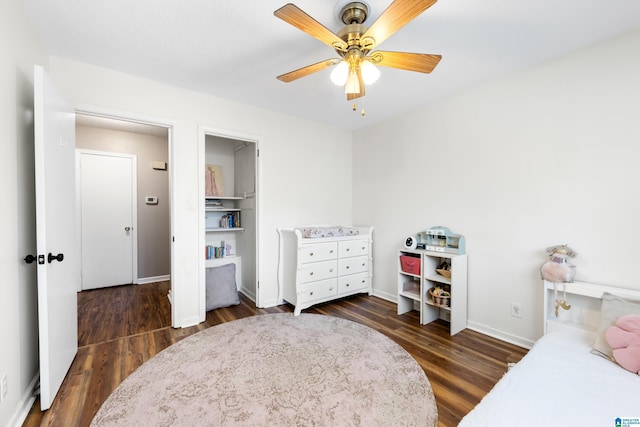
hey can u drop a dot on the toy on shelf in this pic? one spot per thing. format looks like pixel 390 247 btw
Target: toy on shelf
pixel 441 239
pixel 437 239
pixel 439 296
pixel 559 269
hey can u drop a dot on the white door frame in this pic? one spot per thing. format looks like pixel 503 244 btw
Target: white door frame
pixel 134 207
pixel 203 131
pixel 155 121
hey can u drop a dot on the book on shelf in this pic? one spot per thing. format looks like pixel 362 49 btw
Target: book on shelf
pixel 212 252
pixel 230 220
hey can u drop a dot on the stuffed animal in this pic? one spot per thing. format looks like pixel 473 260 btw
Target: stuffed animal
pixel 559 268
pixel 624 338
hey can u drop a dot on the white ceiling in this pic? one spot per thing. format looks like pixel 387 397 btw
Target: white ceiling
pixel 235 49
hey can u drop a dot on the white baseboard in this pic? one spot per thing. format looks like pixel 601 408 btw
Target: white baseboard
pixel 501 335
pixel 25 404
pixel 385 296
pixel 474 326
pixel 248 293
pixel 145 280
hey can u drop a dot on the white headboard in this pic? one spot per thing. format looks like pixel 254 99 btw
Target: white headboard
pixel 585 300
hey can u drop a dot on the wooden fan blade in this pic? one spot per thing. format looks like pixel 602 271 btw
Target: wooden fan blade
pixel 305 71
pixel 295 16
pixel 420 62
pixel 396 16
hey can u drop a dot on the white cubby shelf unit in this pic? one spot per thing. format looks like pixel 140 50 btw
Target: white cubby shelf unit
pixel 414 286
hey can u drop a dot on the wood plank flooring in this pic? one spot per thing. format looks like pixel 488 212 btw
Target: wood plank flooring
pixel 120 328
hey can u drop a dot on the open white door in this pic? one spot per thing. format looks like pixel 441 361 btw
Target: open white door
pixel 58 278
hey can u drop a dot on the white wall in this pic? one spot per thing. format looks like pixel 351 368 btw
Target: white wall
pixel 18 297
pixel 305 168
pixel 543 157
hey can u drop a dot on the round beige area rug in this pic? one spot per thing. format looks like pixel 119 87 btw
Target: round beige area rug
pixel 276 370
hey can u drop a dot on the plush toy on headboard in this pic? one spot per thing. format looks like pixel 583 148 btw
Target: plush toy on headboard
pixel 559 268
pixel 624 338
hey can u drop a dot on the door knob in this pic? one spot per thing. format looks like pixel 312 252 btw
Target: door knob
pixel 29 259
pixel 52 257
pixel 127 229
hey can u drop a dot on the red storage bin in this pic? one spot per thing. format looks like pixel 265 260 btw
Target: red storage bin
pixel 410 264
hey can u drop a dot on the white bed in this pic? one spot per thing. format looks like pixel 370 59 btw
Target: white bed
pixel 560 382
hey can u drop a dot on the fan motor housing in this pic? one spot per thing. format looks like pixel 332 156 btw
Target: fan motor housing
pixel 351 34
pixel 354 13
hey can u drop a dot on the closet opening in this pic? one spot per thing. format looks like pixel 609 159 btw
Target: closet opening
pixel 229 209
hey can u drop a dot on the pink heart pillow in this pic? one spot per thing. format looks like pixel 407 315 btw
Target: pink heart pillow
pixel 624 338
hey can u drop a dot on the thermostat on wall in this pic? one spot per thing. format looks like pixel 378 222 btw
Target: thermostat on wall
pixel 151 200
pixel 161 166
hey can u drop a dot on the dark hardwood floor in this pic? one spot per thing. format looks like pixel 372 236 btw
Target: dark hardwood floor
pixel 120 328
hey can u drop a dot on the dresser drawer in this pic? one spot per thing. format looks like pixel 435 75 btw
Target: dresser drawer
pixel 353 283
pixel 318 271
pixel 353 248
pixel 318 252
pixel 353 265
pixel 317 290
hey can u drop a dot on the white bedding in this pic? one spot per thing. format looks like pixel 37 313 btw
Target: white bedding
pixel 560 383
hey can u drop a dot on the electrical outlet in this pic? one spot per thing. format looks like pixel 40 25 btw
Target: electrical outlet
pixel 516 309
pixel 3 387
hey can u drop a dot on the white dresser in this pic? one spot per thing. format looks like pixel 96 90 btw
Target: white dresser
pixel 312 270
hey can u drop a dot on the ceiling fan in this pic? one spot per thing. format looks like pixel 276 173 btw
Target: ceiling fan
pixel 355 67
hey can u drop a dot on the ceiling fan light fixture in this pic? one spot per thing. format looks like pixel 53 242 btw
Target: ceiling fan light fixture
pixel 353 84
pixel 370 73
pixel 354 43
pixel 340 73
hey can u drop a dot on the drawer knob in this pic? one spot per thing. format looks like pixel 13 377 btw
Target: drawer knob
pixel 311 293
pixel 310 253
pixel 311 274
pixel 348 249
pixel 331 270
pixel 348 267
pixel 331 251
pixel 348 285
pixel 363 264
pixel 331 288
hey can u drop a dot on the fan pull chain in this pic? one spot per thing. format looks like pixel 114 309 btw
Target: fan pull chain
pixel 355 108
